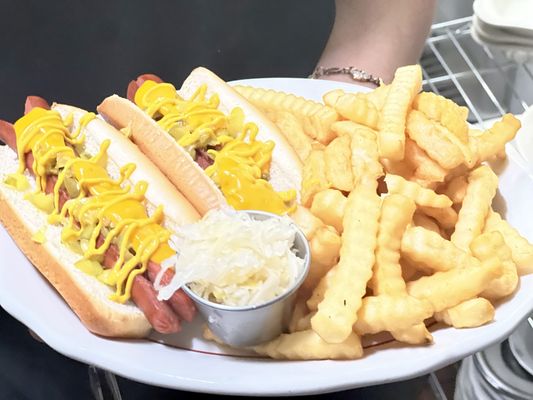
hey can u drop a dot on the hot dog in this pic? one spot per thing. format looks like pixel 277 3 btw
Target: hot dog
pixel 67 176
pixel 213 145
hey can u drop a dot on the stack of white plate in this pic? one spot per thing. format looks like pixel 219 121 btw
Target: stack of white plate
pixel 506 25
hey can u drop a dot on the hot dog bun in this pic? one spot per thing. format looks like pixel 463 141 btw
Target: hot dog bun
pixel 178 165
pixel 87 296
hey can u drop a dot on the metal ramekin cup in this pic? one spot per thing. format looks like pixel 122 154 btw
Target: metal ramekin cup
pixel 251 325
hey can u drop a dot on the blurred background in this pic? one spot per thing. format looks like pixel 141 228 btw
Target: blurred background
pixel 80 52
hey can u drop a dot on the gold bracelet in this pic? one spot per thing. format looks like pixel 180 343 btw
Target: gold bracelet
pixel 357 74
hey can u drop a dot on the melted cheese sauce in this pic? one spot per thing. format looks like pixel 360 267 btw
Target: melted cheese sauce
pixel 241 163
pixel 97 205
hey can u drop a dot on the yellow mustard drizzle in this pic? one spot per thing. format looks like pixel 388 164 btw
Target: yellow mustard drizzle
pixel 102 205
pixel 241 167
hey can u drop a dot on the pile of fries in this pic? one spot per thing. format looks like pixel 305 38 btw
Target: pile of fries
pixel 397 205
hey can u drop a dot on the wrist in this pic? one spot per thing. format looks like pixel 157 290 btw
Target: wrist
pixel 346 74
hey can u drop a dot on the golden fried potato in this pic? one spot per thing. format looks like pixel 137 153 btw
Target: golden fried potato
pixel 307 345
pixel 416 334
pixel 444 111
pixel 293 131
pixel 484 247
pixel 446 217
pixel 455 189
pixel 314 178
pixel 299 312
pixel 339 164
pixel 406 84
pixel 306 221
pixel 330 98
pixel 482 185
pixel 433 140
pixel 468 314
pixel 353 106
pixel 316 118
pixel 329 205
pixel 410 271
pixel 337 312
pixel 387 279
pixel 424 167
pixel 396 213
pixel 390 313
pixel 378 96
pixel 431 250
pixel 325 247
pixel 366 167
pixel 423 221
pixel 319 291
pixel 521 249
pixel 448 288
pixel 421 196
pixel 492 141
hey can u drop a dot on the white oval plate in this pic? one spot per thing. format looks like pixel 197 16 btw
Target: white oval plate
pixel 190 363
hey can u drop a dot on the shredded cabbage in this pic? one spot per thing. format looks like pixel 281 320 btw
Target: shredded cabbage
pixel 232 259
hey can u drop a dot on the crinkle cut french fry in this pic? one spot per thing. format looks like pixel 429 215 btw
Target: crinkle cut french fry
pixel 409 270
pixel 338 163
pixel 330 98
pixel 307 345
pixel 353 106
pixel 366 167
pixel 314 178
pixel 325 246
pixel 329 205
pixel 492 141
pixel 338 310
pixel 468 314
pixel 319 291
pixel 430 139
pixel 401 168
pixel 426 222
pixel 446 217
pixel 396 213
pixel 455 189
pixel 406 84
pixel 428 248
pixel 390 313
pixel 470 158
pixel 446 112
pixel 421 196
pixel 293 131
pixel 316 118
pixel 521 249
pixel 303 323
pixel 299 312
pixel 416 334
pixel 424 166
pixel 306 221
pixel 485 246
pixel 482 186
pixel 378 96
pixel 449 288
pixel 424 183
